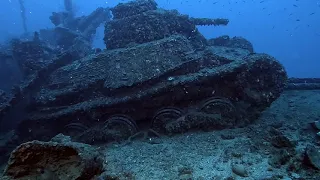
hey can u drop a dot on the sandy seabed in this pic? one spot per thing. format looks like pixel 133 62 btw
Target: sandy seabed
pixel 244 153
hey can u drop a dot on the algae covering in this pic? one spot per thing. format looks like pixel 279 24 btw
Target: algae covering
pixel 158 75
pixel 155 59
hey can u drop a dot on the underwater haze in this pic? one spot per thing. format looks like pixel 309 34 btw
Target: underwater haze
pixel 159 89
pixel 288 30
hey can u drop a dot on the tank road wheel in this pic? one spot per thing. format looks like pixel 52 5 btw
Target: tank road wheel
pixel 164 116
pixel 219 105
pixel 73 129
pixel 120 126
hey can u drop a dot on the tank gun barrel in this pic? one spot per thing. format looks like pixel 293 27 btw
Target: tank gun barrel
pixel 209 21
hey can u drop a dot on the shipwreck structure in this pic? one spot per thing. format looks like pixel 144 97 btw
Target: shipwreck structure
pixel 158 73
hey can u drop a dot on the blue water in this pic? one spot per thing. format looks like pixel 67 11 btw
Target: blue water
pixel 243 121
pixel 288 30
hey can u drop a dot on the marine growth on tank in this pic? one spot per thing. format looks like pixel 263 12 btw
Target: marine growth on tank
pixel 158 89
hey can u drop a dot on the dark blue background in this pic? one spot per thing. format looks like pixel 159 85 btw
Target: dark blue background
pixel 286 29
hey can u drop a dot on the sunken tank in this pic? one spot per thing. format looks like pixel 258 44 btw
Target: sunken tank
pixel 158 74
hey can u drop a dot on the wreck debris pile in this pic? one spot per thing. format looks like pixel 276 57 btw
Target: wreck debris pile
pixel 31 56
pixel 74 34
pixel 10 74
pixel 21 94
pixel 84 25
pixel 48 50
